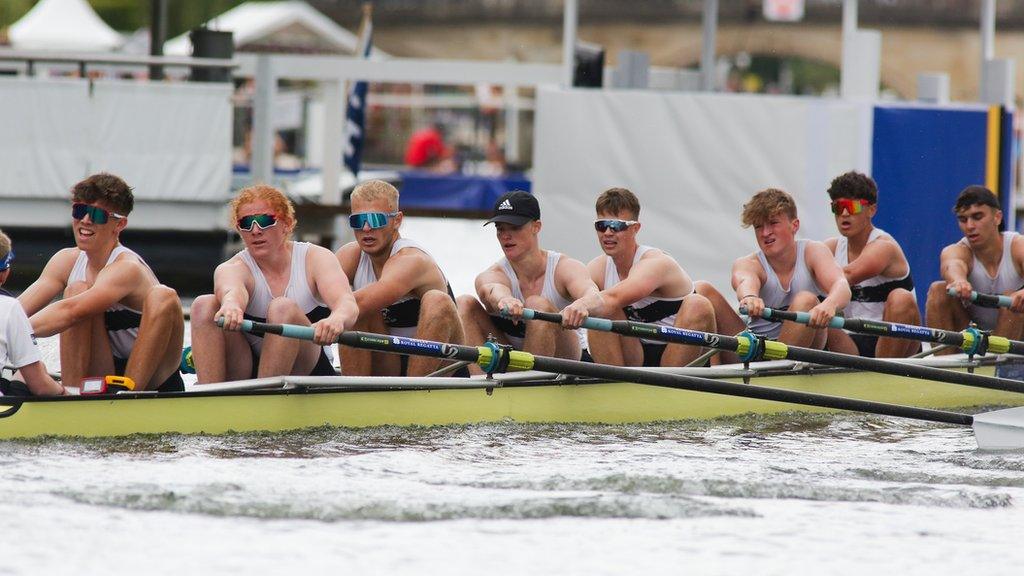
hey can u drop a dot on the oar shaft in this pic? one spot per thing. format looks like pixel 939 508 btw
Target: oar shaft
pixel 778 351
pixel 525 361
pixel 986 300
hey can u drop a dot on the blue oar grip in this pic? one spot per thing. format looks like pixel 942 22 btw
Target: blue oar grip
pixel 998 300
pixel 602 324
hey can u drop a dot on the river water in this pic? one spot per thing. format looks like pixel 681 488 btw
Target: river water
pixel 793 494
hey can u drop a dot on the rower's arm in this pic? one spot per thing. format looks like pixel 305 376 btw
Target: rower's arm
pixel 747 278
pixel 39 380
pixel 644 278
pixel 875 259
pixel 112 284
pixel 402 273
pixel 232 283
pixel 1017 254
pixel 829 276
pixel 954 266
pixel 575 278
pixel 50 284
pixel 332 285
pixel 493 286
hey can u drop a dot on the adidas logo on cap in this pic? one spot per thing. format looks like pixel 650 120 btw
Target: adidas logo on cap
pixel 505 205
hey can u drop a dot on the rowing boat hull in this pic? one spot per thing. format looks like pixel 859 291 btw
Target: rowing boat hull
pixel 537 401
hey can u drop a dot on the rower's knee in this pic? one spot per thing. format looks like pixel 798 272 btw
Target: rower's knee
pixel 900 304
pixel 937 295
pixel 706 289
pixel 540 304
pixel 697 312
pixel 203 308
pixel 75 288
pixel 162 300
pixel 283 310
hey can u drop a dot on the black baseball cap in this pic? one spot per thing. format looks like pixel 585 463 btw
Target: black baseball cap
pixel 515 208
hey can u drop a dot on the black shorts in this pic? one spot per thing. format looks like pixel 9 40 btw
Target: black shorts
pixel 866 344
pixel 174 383
pixel 652 354
pixel 14 388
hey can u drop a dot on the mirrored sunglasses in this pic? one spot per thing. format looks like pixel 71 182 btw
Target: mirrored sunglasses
pixel 849 205
pixel 264 221
pixel 96 214
pixel 374 219
pixel 5 263
pixel 615 224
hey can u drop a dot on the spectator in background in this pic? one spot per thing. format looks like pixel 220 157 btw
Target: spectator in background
pixel 427 151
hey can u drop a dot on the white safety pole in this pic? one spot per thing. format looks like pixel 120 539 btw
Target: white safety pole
pixel 988 30
pixel 849 47
pixel 262 160
pixel 569 24
pixel 707 51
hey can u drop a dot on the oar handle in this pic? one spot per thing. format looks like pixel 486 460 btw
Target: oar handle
pixel 798 317
pixel 286 330
pixel 986 300
pixel 603 324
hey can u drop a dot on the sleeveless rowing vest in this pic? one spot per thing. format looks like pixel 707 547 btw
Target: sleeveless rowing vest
pixel 517 332
pixel 649 309
pixel 868 297
pixel 298 291
pixel 779 298
pixel 403 316
pixel 1007 279
pixel 121 321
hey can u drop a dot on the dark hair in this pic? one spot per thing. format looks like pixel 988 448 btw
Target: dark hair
pixel 974 195
pixel 615 200
pixel 106 188
pixel 854 185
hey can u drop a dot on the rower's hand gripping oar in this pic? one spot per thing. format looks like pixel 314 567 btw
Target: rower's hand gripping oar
pixel 985 300
pixel 751 348
pixel 1002 429
pixel 972 341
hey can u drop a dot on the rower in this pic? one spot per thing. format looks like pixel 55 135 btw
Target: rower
pixel 785 274
pixel 115 317
pixel 18 347
pixel 274 279
pixel 398 285
pixel 984 260
pixel 529 277
pixel 642 284
pixel 876 268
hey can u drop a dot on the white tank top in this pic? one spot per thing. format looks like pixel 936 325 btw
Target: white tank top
pixel 401 317
pixel 548 291
pixel 1007 279
pixel 869 308
pixel 122 322
pixel 649 309
pixel 298 291
pixel 779 298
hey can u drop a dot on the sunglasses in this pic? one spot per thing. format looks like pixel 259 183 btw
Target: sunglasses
pixel 849 205
pixel 615 224
pixel 264 221
pixel 374 219
pixel 5 263
pixel 96 214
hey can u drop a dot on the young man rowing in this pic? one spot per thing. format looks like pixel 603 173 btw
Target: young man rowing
pixel 642 284
pixel 115 316
pixel 277 280
pixel 876 268
pixel 529 277
pixel 399 287
pixel 785 274
pixel 18 348
pixel 984 260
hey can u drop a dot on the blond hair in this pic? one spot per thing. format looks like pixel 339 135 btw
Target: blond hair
pixel 765 204
pixel 279 203
pixel 376 190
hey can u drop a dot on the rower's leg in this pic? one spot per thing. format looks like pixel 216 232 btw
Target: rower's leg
pixel 945 312
pixel 696 313
pixel 477 325
pixel 796 334
pixel 283 356
pixel 156 354
pixel 219 355
pixel 839 341
pixel 438 322
pixel 612 349
pixel 900 307
pixel 360 362
pixel 84 346
pixel 542 337
pixel 727 320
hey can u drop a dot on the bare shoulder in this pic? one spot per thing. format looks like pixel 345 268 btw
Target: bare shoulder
pixel 348 255
pixel 957 250
pixel 831 243
pixel 62 262
pixel 750 262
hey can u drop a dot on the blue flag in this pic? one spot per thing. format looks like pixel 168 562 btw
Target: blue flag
pixel 355 113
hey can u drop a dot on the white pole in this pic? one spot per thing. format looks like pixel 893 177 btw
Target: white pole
pixel 988 30
pixel 262 161
pixel 569 23
pixel 849 50
pixel 707 51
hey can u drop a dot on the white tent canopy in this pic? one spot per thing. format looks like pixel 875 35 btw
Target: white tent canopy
pixel 290 23
pixel 66 25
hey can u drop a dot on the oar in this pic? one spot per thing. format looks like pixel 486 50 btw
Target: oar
pixel 968 340
pixel 997 430
pixel 985 300
pixel 752 348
